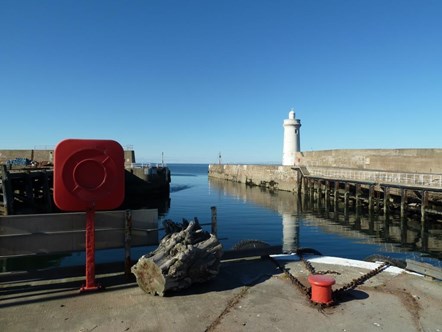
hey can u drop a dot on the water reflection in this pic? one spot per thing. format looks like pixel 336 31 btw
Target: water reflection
pixel 159 202
pixel 400 234
pixel 281 202
pixel 290 232
pixel 394 234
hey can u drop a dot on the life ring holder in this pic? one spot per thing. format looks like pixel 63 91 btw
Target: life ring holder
pixel 88 174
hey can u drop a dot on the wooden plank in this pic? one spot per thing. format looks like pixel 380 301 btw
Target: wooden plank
pixel 386 200
pixel 424 268
pixel 370 198
pixel 358 194
pixel 424 206
pixel 403 201
pixel 335 195
pixel 214 224
pixel 65 232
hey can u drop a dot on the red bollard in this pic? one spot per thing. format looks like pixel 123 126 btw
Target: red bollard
pixel 321 288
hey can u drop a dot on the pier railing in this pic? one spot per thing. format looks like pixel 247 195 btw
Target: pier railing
pixel 145 165
pixel 409 179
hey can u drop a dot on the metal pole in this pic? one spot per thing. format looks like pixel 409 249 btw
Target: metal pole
pixel 90 253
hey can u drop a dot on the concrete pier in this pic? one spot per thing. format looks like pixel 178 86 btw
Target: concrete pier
pixel 271 177
pixel 247 295
pixel 377 179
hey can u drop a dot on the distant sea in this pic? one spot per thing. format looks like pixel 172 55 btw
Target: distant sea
pixel 279 218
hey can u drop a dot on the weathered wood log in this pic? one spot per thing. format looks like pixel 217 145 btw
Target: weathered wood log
pixel 182 258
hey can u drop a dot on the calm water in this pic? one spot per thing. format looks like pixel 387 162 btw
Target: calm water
pixel 280 219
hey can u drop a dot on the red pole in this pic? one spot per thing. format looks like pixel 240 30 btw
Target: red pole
pixel 90 252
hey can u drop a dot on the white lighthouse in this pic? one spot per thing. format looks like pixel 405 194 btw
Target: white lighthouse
pixel 292 142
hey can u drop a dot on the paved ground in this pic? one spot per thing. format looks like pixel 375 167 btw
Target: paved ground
pixel 247 295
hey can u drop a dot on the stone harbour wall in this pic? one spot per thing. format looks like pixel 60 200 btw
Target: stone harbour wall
pixel 273 177
pixel 412 167
pixel 391 160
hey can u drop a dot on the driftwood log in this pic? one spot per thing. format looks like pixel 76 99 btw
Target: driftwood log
pixel 186 255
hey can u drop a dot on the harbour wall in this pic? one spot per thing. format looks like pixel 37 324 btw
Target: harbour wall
pixel 392 160
pixel 411 167
pixel 272 177
pixel 47 156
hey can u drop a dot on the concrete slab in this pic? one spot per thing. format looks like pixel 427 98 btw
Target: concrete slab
pixel 247 295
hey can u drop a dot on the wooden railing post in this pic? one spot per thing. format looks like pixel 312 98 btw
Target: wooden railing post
pixel 214 229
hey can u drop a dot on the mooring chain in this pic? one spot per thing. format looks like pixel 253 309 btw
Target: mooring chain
pixel 336 293
pixel 312 270
pixel 359 281
pixel 305 290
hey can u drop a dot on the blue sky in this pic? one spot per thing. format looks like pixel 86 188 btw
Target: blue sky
pixel 194 78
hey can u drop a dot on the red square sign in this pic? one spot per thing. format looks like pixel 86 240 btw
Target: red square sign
pixel 88 174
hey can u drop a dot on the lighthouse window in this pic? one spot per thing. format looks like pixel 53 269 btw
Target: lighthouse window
pixel 296 131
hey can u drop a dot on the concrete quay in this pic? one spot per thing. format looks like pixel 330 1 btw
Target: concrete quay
pixel 408 167
pixel 401 179
pixel 247 295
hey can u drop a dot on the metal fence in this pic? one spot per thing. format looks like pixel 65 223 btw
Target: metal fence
pixel 411 179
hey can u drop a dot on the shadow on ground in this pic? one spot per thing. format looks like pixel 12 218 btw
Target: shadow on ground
pixel 45 285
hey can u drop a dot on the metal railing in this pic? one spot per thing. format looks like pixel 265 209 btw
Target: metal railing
pixel 146 165
pixel 411 179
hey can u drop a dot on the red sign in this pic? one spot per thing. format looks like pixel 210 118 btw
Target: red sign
pixel 88 174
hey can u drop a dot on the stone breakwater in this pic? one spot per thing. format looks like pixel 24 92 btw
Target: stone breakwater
pixel 272 177
pixel 386 160
pixel 407 167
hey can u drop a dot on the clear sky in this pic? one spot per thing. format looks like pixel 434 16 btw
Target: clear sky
pixel 194 78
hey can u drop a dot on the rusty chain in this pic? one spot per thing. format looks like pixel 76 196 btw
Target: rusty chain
pixel 304 290
pixel 312 270
pixel 359 281
pixel 338 293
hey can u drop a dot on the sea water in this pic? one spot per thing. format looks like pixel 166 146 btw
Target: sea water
pixel 283 218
